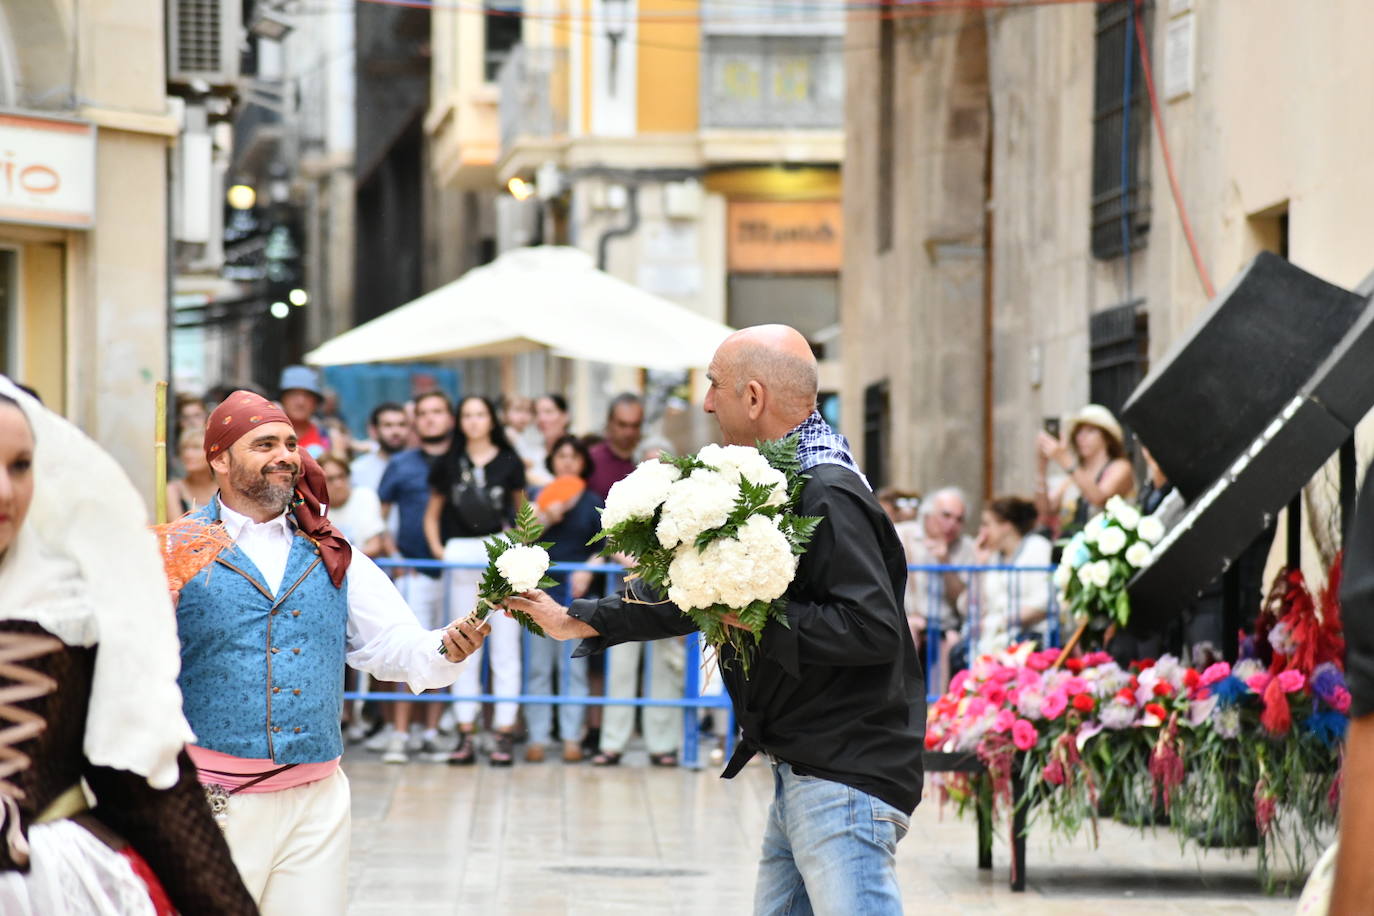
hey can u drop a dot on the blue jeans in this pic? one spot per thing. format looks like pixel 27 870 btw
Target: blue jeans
pixel 546 659
pixel 829 849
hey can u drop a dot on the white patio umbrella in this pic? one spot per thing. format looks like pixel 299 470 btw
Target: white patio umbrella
pixel 528 299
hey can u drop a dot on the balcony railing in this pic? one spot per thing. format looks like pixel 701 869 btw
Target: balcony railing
pixel 534 94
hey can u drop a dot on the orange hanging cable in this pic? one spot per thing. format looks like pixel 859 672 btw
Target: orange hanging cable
pixel 1168 159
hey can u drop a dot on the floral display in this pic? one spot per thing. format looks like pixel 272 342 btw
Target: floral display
pixel 517 562
pixel 1102 558
pixel 715 533
pixel 1226 755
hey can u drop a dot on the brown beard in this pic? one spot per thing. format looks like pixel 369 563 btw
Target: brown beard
pixel 257 489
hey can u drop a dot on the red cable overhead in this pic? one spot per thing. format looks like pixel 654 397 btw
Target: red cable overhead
pixel 1169 159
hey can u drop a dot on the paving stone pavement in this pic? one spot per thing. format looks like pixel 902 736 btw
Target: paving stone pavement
pixel 554 840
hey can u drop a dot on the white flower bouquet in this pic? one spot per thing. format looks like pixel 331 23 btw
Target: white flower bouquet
pixel 716 533
pixel 517 563
pixel 1101 559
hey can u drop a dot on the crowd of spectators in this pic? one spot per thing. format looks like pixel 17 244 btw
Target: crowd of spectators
pixel 973 594
pixel 432 480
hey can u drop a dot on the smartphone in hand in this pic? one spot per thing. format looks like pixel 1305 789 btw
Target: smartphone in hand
pixel 1052 426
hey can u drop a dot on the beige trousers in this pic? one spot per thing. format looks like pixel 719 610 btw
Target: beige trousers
pixel 291 847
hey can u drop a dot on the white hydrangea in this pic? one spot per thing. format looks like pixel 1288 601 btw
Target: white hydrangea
pixel 695 504
pixel 689 586
pixel 1111 541
pixel 1063 575
pixel 757 565
pixel 1138 554
pixel 1151 529
pixel 736 461
pixel 1116 715
pixel 1126 515
pixel 1100 573
pixel 639 494
pixel 523 566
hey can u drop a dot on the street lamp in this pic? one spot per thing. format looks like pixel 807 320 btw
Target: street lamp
pixel 241 197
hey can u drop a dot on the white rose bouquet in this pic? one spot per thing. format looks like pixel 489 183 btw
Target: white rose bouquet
pixel 517 563
pixel 716 533
pixel 1102 558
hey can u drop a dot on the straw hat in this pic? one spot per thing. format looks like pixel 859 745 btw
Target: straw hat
pixel 1101 417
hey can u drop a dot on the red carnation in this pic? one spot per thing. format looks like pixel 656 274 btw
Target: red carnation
pixel 1083 703
pixel 1191 678
pixel 1162 689
pixel 1155 710
pixel 1126 695
pixel 1075 665
pixel 1277 717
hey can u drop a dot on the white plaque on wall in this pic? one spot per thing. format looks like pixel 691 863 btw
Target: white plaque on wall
pixel 1178 57
pixel 47 171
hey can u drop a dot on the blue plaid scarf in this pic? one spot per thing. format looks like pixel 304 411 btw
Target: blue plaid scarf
pixel 819 444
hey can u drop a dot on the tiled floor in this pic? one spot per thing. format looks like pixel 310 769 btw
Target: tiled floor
pixel 430 839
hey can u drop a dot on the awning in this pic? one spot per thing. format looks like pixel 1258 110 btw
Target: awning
pixel 546 297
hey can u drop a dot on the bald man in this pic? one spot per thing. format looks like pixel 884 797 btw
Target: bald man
pixel 835 700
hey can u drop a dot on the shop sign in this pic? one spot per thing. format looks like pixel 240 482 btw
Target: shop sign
pixel 47 171
pixel 803 236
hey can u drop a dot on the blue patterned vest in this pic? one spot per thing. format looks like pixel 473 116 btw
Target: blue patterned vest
pixel 262 676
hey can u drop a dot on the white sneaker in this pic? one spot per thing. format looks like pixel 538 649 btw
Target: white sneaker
pixel 416 739
pixel 382 739
pixel 438 748
pixel 355 732
pixel 396 750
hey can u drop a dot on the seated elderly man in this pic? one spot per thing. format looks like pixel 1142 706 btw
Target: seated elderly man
pixel 936 538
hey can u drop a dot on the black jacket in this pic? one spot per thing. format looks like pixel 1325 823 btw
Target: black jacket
pixel 839 693
pixel 1357 602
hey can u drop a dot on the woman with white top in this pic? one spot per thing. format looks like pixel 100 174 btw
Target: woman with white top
pixel 1009 606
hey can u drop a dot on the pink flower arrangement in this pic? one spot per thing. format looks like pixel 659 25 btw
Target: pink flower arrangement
pixel 1054 704
pixel 1290 681
pixel 1214 673
pixel 1024 735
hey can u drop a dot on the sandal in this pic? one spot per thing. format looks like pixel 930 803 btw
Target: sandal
pixel 503 751
pixel 606 759
pixel 463 754
pixel 664 760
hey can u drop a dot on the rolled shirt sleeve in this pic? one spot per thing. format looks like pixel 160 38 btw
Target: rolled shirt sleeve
pixel 385 639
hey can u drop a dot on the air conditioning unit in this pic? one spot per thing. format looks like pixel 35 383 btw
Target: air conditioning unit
pixel 203 39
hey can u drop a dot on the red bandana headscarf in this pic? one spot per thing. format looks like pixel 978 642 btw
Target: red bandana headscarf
pixel 244 411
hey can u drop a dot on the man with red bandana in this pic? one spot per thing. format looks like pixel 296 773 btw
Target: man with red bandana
pixel 265 629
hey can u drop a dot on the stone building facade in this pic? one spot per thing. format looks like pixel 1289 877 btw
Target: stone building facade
pixel 986 165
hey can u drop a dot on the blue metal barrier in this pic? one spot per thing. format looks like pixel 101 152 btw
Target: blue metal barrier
pixel 692 701
pixel 971 629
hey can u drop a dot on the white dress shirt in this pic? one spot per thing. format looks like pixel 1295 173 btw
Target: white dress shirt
pixel 383 637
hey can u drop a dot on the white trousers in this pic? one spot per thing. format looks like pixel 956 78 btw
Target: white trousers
pixel 662 724
pixel 291 846
pixel 503 643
